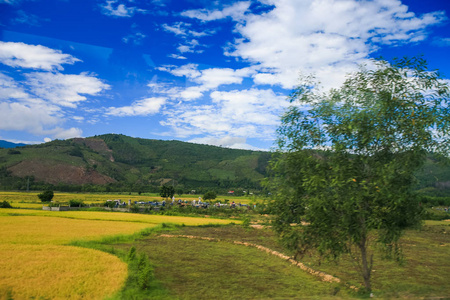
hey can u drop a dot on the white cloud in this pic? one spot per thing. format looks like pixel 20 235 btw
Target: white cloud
pixel 176 56
pixel 183 29
pixel 188 70
pixel 9 89
pixel 12 2
pixel 214 77
pixel 21 111
pixel 441 42
pixel 33 56
pixel 134 38
pixel 237 113
pixel 27 18
pixel 35 105
pixel 189 47
pixel 60 133
pixel 31 117
pixel 226 141
pixel 323 37
pixel 144 107
pixel 206 80
pixel 65 90
pixel 235 11
pixel 114 9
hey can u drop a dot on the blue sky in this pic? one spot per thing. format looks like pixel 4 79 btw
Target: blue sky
pixel 213 72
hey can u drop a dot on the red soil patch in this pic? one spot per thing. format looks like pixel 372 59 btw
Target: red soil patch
pixel 56 173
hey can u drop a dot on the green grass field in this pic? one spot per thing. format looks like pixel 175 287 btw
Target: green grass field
pixel 248 273
pixel 193 268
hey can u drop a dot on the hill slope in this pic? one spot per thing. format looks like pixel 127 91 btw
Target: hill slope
pixel 113 162
pixel 118 162
pixel 6 144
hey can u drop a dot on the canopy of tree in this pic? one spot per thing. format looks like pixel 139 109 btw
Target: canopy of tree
pixel 348 157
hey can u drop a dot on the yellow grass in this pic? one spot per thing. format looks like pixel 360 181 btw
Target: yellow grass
pixel 27 205
pixel 35 263
pixel 58 272
pixel 31 197
pixel 56 231
pixel 115 216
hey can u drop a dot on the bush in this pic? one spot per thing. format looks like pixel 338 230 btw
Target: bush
pixel 135 208
pixel 436 214
pixel 76 203
pixel 5 204
pixel 210 195
pixel 145 272
pixel 110 204
pixel 46 196
pixel 13 151
pixel 132 254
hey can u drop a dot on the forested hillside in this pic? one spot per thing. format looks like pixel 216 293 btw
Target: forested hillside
pixel 114 162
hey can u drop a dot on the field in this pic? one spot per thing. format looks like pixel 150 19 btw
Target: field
pixel 246 273
pixel 31 200
pixel 37 261
pixel 56 255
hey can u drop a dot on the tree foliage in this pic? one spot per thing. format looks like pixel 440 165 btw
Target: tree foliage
pixel 167 191
pixel 348 156
pixel 210 195
pixel 46 196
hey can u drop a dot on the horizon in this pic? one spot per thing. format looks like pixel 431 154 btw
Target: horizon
pixel 208 72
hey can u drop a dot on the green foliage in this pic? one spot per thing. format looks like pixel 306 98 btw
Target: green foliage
pixel 76 203
pixel 167 191
pixel 375 132
pixel 76 151
pixel 131 254
pixel 46 196
pixel 109 204
pixel 210 195
pixel 135 208
pixel 5 204
pixel 13 151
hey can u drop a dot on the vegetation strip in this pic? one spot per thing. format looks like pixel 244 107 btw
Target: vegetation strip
pixel 324 276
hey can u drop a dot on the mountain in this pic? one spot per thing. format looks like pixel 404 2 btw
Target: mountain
pixel 6 144
pixel 114 162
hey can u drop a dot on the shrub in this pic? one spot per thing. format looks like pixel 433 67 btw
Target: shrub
pixel 5 204
pixel 145 272
pixel 110 204
pixel 132 253
pixel 210 195
pixel 46 196
pixel 13 151
pixel 135 208
pixel 76 203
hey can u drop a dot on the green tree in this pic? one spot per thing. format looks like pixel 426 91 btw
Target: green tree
pixel 46 196
pixel 347 159
pixel 167 191
pixel 210 195
pixel 5 204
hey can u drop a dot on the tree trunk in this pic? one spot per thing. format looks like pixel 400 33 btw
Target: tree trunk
pixel 366 266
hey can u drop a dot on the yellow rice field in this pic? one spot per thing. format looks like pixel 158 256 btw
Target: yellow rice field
pixel 114 216
pixel 36 261
pixel 57 231
pixel 58 272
